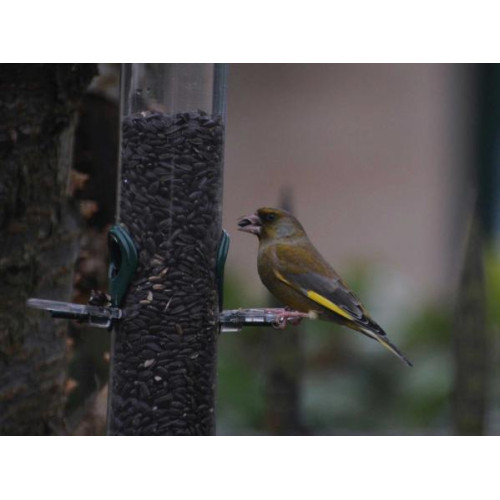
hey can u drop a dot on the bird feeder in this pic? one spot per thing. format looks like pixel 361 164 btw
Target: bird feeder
pixel 167 253
pixel 170 203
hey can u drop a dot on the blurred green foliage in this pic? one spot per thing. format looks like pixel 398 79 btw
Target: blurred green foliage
pixel 492 266
pixel 492 272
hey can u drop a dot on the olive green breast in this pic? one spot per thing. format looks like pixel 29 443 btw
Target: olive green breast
pixel 283 292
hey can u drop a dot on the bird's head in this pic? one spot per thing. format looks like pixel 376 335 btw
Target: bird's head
pixel 271 223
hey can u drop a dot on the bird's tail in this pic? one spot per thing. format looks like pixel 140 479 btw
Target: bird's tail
pixel 383 339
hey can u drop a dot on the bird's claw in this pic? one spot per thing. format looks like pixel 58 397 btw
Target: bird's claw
pixel 285 316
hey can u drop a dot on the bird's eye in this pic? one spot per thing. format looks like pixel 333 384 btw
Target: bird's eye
pixel 269 217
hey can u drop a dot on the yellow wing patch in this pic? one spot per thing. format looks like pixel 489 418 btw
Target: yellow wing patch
pixel 316 297
pixel 328 304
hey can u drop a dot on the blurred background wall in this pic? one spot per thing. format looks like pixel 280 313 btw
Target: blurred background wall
pixel 375 156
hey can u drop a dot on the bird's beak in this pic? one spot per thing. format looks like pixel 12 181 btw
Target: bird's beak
pixel 250 224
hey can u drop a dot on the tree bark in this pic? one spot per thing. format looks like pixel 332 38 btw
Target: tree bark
pixel 38 238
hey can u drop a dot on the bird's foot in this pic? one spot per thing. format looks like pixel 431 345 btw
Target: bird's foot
pixel 285 316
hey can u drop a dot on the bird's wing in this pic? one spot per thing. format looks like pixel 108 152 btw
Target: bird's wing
pixel 306 271
pixel 326 292
pixel 313 277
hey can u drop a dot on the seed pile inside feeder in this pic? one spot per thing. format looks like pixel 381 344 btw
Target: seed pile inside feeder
pixel 164 351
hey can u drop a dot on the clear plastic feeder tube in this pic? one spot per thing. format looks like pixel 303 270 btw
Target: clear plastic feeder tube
pixel 164 350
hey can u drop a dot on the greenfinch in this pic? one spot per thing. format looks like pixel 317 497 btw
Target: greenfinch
pixel 297 275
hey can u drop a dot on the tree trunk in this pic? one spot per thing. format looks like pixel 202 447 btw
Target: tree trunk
pixel 471 344
pixel 38 238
